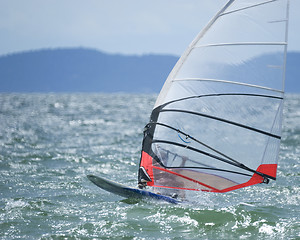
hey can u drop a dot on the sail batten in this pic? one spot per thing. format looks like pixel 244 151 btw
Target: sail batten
pixel 241 44
pixel 222 94
pixel 226 81
pixel 245 8
pixel 216 124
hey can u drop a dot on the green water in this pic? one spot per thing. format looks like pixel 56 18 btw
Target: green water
pixel 50 142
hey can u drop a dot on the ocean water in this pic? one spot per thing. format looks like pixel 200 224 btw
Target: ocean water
pixel 50 142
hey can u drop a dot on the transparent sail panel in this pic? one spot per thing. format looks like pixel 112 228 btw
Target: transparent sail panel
pixel 241 144
pixel 242 23
pixel 183 89
pixel 261 65
pixel 237 108
pixel 246 43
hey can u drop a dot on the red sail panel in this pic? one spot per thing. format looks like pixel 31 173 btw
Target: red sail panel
pixel 146 163
pixel 185 179
pixel 269 169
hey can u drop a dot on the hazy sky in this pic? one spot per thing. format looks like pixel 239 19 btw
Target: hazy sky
pixel 115 26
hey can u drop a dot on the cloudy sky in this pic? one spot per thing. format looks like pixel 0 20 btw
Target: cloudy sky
pixel 114 26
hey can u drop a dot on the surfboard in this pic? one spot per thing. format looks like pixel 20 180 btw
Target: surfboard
pixel 128 192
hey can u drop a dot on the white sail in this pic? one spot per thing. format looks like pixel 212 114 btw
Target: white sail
pixel 216 124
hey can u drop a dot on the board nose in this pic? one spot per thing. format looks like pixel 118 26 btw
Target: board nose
pixel 90 177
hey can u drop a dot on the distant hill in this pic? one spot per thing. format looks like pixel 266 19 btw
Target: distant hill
pixel 83 70
pixel 86 70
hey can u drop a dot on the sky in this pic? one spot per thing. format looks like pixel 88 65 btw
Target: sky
pixel 113 26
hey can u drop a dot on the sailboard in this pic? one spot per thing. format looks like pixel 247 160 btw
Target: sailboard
pixel 129 192
pixel 216 124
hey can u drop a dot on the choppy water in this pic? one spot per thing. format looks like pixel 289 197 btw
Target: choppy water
pixel 49 142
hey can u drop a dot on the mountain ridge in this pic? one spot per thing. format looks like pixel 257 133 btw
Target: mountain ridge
pixel 88 70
